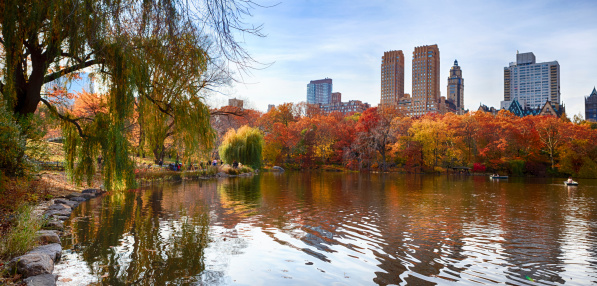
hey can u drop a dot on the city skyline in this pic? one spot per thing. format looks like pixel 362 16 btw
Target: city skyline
pixel 346 40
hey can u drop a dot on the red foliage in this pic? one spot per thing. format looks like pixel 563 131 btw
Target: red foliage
pixel 479 168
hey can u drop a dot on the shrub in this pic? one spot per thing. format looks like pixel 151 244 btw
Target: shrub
pixel 479 168
pixel 21 237
pixel 244 145
pixel 588 169
pixel 12 143
pixel 516 167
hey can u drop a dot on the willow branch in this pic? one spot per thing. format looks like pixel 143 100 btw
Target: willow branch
pixel 62 117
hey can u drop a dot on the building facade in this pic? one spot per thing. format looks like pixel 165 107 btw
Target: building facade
pixel 345 108
pixel 392 78
pixel 531 83
pixel 236 103
pixel 591 106
pixel 455 90
pixel 336 97
pixel 425 80
pixel 319 91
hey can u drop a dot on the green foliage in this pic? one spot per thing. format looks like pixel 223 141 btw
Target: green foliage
pixel 155 50
pixel 588 169
pixel 21 237
pixel 243 145
pixel 517 167
pixel 12 143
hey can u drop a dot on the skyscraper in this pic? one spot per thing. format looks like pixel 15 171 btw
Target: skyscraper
pixel 456 88
pixel 392 78
pixel 319 91
pixel 591 106
pixel 530 83
pixel 425 93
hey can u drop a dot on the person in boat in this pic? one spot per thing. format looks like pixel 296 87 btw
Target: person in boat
pixel 570 181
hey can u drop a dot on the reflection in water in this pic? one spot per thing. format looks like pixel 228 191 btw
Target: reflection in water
pixel 326 228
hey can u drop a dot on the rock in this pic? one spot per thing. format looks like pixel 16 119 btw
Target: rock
pixel 79 199
pixel 54 251
pixel 222 174
pixel 50 213
pixel 88 196
pixel 73 195
pixel 41 280
pixel 59 207
pixel 278 169
pixel 91 191
pixel 69 203
pixel 61 217
pixel 47 236
pixel 31 264
pixel 54 224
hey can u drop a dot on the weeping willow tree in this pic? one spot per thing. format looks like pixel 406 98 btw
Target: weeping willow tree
pixel 172 106
pixel 124 42
pixel 243 145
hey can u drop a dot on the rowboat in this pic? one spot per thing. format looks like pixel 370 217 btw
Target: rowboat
pixel 498 177
pixel 574 183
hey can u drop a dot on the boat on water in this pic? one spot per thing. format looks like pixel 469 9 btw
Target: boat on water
pixel 498 177
pixel 574 183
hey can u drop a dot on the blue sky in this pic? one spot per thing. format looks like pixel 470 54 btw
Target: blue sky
pixel 345 40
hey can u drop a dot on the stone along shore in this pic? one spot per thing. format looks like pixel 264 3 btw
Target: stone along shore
pixel 37 265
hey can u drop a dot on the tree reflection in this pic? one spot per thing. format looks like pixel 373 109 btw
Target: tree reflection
pixel 130 242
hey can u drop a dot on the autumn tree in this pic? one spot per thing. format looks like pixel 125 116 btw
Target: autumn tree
pixel 551 135
pixel 45 40
pixel 374 129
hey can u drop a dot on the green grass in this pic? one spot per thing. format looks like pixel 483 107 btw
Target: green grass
pixel 21 237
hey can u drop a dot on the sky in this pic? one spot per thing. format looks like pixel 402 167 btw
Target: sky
pixel 345 40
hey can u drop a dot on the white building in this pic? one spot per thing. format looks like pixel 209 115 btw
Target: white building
pixel 531 83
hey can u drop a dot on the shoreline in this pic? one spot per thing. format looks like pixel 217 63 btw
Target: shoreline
pixel 35 267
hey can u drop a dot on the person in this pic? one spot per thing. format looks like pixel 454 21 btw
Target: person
pixel 215 162
pixel 570 180
pixel 235 164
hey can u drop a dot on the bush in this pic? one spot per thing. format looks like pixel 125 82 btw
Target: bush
pixel 516 167
pixel 21 237
pixel 12 143
pixel 244 145
pixel 588 169
pixel 479 168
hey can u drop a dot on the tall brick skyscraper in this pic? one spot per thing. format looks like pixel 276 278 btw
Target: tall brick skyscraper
pixel 456 88
pixel 425 93
pixel 392 78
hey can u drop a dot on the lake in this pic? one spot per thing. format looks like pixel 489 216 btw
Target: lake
pixel 325 228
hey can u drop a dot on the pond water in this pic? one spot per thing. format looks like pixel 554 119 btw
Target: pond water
pixel 337 229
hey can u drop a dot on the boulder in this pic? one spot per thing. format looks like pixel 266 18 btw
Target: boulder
pixel 79 199
pixel 41 280
pixel 67 202
pixel 31 264
pixel 88 196
pixel 222 174
pixel 47 236
pixel 73 195
pixel 54 224
pixel 50 213
pixel 278 169
pixel 59 207
pixel 54 251
pixel 95 192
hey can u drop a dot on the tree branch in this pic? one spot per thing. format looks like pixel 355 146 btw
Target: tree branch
pixel 62 117
pixel 70 69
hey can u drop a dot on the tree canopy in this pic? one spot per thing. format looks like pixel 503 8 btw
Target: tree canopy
pixel 156 55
